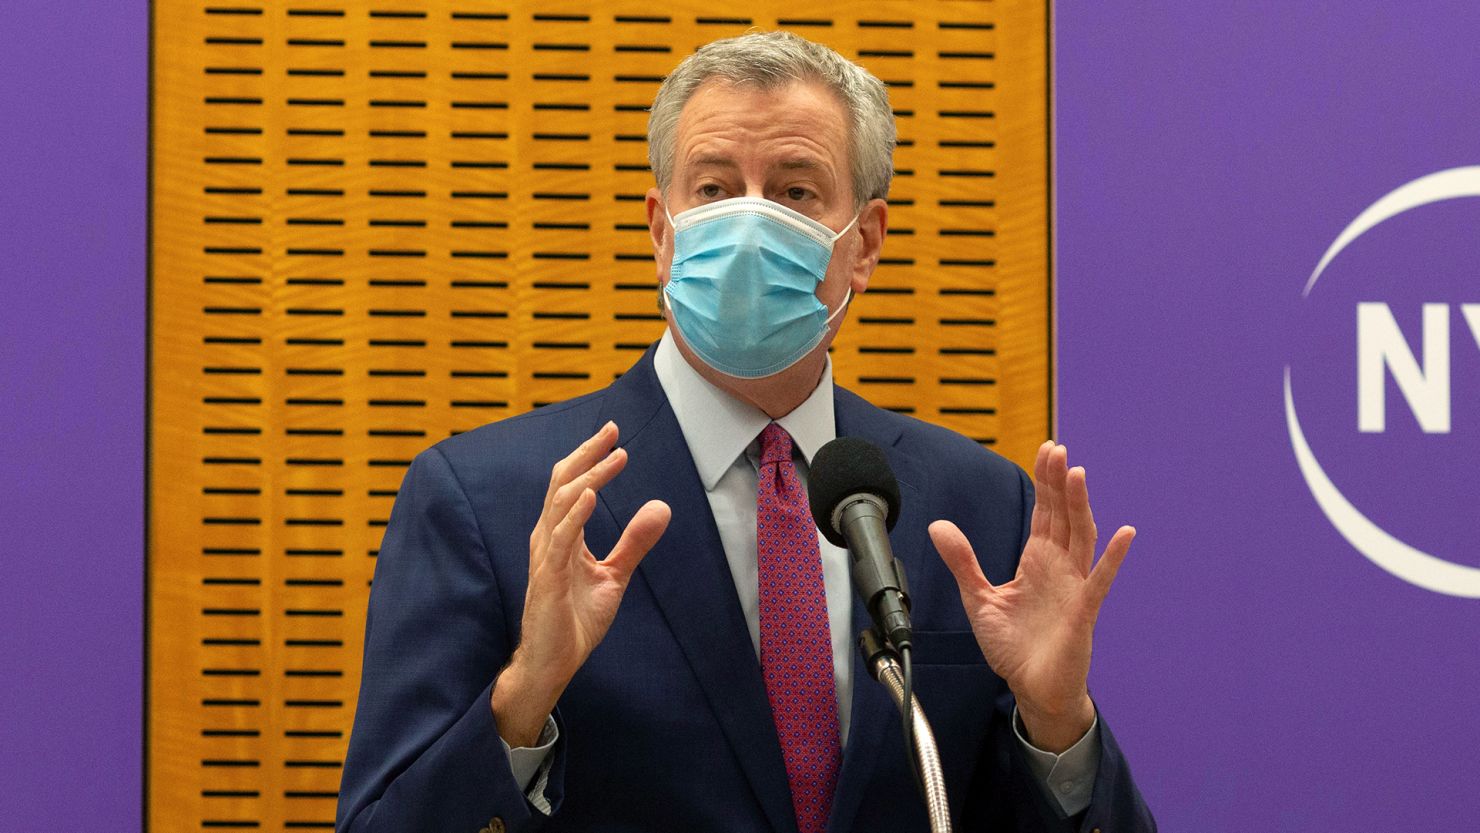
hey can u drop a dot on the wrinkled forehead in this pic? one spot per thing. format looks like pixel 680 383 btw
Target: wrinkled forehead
pixel 745 94
pixel 798 122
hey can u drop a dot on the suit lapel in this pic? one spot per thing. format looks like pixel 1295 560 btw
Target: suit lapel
pixel 873 715
pixel 874 712
pixel 691 582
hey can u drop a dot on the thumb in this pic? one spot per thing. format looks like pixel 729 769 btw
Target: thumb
pixel 642 532
pixel 958 555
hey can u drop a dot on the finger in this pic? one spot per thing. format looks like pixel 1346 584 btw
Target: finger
pixel 559 505
pixel 1058 469
pixel 594 478
pixel 566 538
pixel 1041 511
pixel 1104 573
pixel 579 461
pixel 1082 532
pixel 959 557
pixel 1040 464
pixel 642 532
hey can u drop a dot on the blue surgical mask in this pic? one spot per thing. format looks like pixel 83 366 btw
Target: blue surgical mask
pixel 742 289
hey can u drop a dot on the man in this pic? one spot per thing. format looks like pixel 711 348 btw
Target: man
pixel 566 649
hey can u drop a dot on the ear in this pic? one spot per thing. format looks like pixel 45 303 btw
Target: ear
pixel 873 220
pixel 661 232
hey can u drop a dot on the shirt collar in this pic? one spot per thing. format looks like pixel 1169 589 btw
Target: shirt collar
pixel 718 427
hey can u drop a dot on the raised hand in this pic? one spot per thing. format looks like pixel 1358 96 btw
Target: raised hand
pixel 1036 630
pixel 572 597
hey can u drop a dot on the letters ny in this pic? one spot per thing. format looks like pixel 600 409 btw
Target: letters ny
pixel 1380 344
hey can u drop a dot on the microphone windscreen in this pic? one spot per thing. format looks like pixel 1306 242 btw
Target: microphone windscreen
pixel 844 467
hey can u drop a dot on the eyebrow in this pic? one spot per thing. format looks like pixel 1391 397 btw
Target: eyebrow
pixel 716 160
pixel 794 164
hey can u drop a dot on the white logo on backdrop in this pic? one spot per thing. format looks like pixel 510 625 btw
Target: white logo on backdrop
pixel 1427 390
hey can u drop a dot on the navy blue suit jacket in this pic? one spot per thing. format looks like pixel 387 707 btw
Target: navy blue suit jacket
pixel 667 726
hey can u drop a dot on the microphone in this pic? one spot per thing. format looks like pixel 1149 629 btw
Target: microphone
pixel 855 502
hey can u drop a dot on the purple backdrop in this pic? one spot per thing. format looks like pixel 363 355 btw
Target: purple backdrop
pixel 73 97
pixel 1261 672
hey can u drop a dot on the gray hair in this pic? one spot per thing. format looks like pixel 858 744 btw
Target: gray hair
pixel 773 59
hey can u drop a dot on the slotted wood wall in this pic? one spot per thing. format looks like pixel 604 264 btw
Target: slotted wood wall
pixel 378 224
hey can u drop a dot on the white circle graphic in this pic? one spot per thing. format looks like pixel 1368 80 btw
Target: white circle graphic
pixel 1451 184
pixel 1381 548
pixel 1407 563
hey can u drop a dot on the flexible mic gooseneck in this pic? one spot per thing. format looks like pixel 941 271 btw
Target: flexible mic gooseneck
pixel 855 502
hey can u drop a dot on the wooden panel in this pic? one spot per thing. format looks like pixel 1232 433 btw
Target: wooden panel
pixel 375 226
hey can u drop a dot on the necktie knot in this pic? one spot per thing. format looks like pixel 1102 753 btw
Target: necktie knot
pixel 775 445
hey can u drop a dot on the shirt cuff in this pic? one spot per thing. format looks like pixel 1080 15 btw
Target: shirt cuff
pixel 1069 775
pixel 531 764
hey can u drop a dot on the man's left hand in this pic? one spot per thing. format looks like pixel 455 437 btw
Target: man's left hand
pixel 1036 630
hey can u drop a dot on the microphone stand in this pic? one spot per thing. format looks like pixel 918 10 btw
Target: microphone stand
pixel 884 665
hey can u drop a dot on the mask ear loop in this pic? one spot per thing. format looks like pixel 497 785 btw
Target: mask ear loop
pixel 847 299
pixel 839 235
pixel 672 231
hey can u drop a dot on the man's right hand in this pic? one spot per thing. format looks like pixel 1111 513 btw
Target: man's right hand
pixel 572 598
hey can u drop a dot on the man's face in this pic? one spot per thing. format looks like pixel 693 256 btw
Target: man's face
pixel 788 145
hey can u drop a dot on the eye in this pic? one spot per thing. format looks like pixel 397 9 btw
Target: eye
pixel 796 193
pixel 710 191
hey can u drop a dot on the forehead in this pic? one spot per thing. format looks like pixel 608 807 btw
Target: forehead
pixel 750 123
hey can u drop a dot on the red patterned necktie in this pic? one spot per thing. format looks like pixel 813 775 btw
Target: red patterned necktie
pixel 796 648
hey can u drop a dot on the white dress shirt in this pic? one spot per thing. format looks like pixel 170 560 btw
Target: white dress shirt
pixel 722 435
